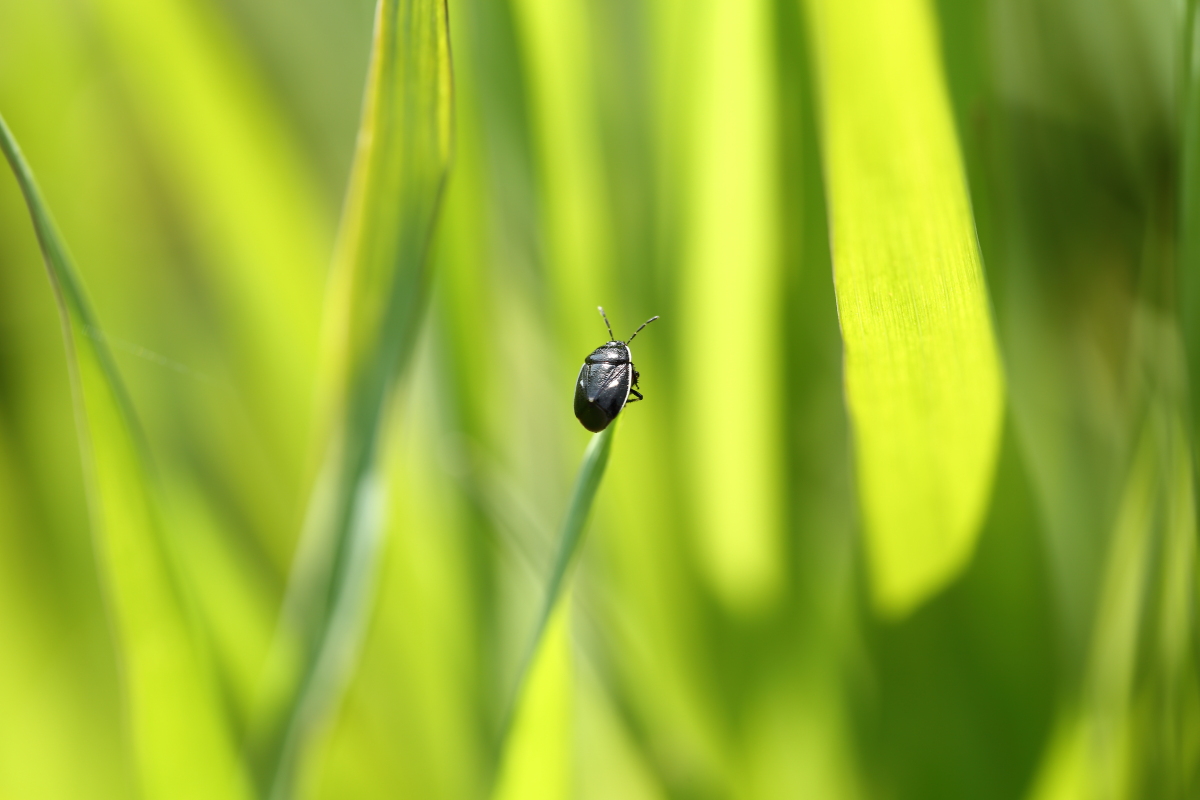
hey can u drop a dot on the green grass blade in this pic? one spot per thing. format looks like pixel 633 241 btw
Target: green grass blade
pixel 736 466
pixel 537 762
pixel 1125 734
pixel 1189 205
pixel 374 308
pixel 587 483
pixel 923 379
pixel 181 738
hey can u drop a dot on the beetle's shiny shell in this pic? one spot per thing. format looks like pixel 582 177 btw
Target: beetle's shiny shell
pixel 602 388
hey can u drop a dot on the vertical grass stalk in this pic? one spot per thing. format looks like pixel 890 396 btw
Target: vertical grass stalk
pixel 375 302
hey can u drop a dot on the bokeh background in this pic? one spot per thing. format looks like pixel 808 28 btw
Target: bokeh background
pixel 723 640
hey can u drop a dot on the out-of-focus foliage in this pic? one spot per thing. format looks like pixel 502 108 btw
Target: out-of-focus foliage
pixel 923 383
pixel 723 635
pixel 374 301
pixel 168 677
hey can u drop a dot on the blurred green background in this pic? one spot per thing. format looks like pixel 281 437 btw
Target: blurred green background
pixel 723 638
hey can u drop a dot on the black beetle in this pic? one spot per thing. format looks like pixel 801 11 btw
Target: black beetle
pixel 606 380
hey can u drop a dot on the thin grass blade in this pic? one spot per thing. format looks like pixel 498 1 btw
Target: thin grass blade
pixel 923 378
pixel 537 761
pixel 1189 206
pixel 182 740
pixel 375 301
pixel 1128 733
pixel 587 483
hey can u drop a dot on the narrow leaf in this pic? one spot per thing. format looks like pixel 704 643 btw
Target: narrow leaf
pixel 375 300
pixel 923 380
pixel 587 483
pixel 181 737
pixel 537 762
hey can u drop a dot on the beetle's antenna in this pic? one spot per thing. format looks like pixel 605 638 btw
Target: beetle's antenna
pixel 639 330
pixel 611 338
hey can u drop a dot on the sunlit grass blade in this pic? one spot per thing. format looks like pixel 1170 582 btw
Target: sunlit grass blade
pixel 181 737
pixel 924 385
pixel 537 659
pixel 537 762
pixel 730 290
pixel 374 308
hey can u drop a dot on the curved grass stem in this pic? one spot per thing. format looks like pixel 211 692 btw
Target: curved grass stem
pixel 587 482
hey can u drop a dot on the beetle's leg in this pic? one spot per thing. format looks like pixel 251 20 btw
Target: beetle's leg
pixel 637 396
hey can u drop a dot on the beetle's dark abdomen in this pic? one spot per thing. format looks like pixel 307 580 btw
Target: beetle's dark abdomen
pixel 601 391
pixel 592 417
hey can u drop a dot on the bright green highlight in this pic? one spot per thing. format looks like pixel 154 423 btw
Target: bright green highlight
pixel 253 207
pixel 181 738
pixel 923 380
pixel 537 762
pixel 731 288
